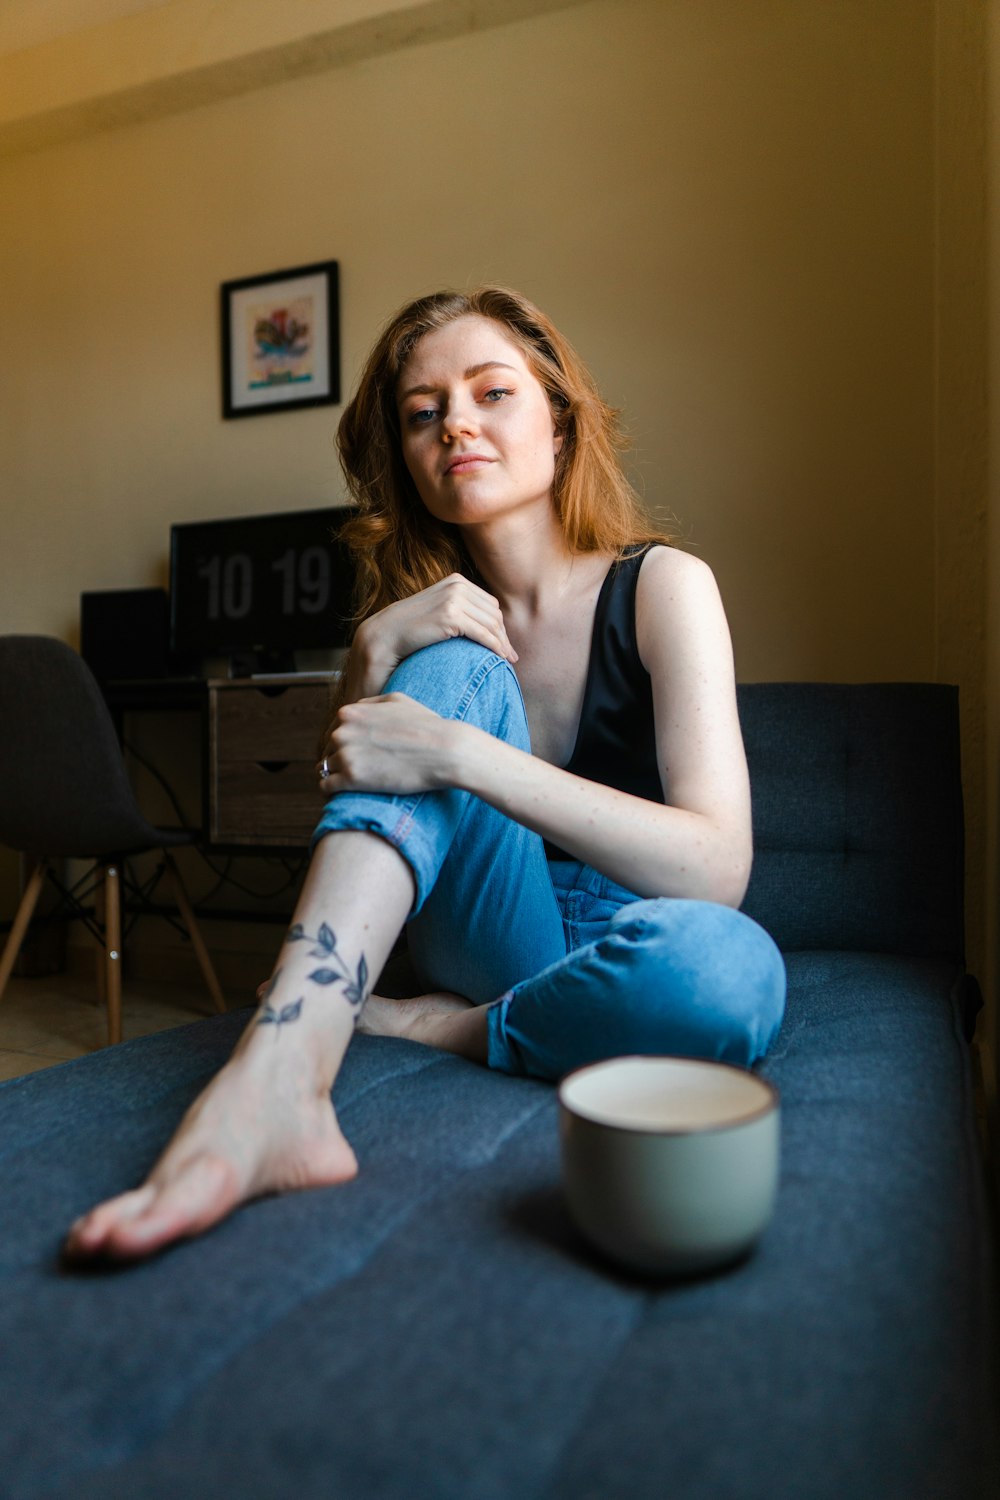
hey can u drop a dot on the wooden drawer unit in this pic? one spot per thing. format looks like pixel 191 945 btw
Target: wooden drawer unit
pixel 262 760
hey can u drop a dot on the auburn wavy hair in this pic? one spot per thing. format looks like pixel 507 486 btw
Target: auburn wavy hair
pixel 398 547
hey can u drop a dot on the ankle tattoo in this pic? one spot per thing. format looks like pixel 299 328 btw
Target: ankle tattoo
pixel 277 1018
pixel 355 983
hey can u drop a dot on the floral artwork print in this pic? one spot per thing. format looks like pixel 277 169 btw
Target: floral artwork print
pixel 280 343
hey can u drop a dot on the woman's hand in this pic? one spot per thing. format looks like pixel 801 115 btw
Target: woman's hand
pixel 455 606
pixel 387 744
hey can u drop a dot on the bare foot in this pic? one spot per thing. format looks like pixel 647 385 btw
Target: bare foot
pixel 440 1020
pixel 255 1129
pixel 408 1018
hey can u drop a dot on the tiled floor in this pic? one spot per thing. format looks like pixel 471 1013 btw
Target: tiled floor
pixel 46 1021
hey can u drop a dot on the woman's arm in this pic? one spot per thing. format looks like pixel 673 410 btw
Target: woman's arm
pixel 452 607
pixel 698 846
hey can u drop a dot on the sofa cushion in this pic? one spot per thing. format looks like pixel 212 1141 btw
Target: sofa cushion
pixel 436 1328
pixel 838 773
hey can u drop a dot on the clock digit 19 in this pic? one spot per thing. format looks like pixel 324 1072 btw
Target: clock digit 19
pixel 305 580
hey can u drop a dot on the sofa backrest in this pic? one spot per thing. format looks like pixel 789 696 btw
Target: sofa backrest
pixel 857 811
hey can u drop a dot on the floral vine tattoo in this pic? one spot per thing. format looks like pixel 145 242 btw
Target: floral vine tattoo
pixel 277 1018
pixel 354 988
pixel 334 971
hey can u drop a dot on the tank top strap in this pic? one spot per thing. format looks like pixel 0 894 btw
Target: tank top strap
pixel 616 740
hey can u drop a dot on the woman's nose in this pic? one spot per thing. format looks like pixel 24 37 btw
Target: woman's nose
pixel 460 420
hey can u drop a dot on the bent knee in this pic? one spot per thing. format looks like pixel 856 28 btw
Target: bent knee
pixel 459 679
pixel 706 980
pixel 456 656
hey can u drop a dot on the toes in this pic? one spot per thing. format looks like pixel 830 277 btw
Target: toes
pixel 90 1232
pixel 142 1221
pixel 198 1196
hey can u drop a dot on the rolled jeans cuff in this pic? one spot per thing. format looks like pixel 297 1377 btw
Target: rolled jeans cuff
pixel 395 820
pixel 498 1051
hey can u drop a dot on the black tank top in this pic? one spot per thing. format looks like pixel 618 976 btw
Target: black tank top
pixel 615 743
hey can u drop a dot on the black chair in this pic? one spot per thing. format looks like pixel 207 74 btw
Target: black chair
pixel 64 793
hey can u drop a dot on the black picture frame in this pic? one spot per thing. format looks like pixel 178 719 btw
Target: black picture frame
pixel 280 337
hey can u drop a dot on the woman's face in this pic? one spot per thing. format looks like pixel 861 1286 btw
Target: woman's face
pixel 478 433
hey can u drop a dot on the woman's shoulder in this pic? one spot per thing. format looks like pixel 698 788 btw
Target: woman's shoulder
pixel 677 599
pixel 664 565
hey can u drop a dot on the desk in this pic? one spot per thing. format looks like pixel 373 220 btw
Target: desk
pixel 258 744
pixel 262 752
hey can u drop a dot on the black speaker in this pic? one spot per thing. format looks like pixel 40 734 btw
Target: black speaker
pixel 125 633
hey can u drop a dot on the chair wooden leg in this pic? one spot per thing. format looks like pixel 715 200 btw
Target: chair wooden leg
pixel 194 933
pixel 25 912
pixel 101 951
pixel 113 951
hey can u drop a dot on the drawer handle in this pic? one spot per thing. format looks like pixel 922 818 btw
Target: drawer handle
pixel 273 766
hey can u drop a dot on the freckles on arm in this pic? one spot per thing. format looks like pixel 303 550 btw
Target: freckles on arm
pixel 685 645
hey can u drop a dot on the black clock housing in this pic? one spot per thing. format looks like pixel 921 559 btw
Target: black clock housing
pixel 256 589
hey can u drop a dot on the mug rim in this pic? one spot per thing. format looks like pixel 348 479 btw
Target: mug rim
pixel 770 1105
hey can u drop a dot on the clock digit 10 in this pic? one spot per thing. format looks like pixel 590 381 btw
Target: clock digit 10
pixel 304 577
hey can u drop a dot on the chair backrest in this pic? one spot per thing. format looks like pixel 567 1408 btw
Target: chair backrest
pixel 857 807
pixel 63 785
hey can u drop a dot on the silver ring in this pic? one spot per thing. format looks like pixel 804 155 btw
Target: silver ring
pixel 324 769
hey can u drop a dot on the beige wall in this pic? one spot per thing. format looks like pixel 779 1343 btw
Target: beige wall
pixel 733 209
pixel 728 207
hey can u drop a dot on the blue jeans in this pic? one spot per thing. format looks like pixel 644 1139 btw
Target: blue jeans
pixel 574 967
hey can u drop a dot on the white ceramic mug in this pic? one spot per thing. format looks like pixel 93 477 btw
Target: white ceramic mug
pixel 670 1164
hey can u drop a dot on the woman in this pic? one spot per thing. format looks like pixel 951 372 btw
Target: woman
pixel 536 765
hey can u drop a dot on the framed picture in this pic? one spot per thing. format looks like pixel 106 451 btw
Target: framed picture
pixel 281 341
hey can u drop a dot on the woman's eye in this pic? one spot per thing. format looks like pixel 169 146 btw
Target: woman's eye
pixel 422 417
pixel 496 394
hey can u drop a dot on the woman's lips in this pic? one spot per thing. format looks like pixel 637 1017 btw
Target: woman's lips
pixel 462 463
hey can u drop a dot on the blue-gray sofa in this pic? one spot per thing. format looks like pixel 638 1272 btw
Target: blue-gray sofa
pixel 436 1330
